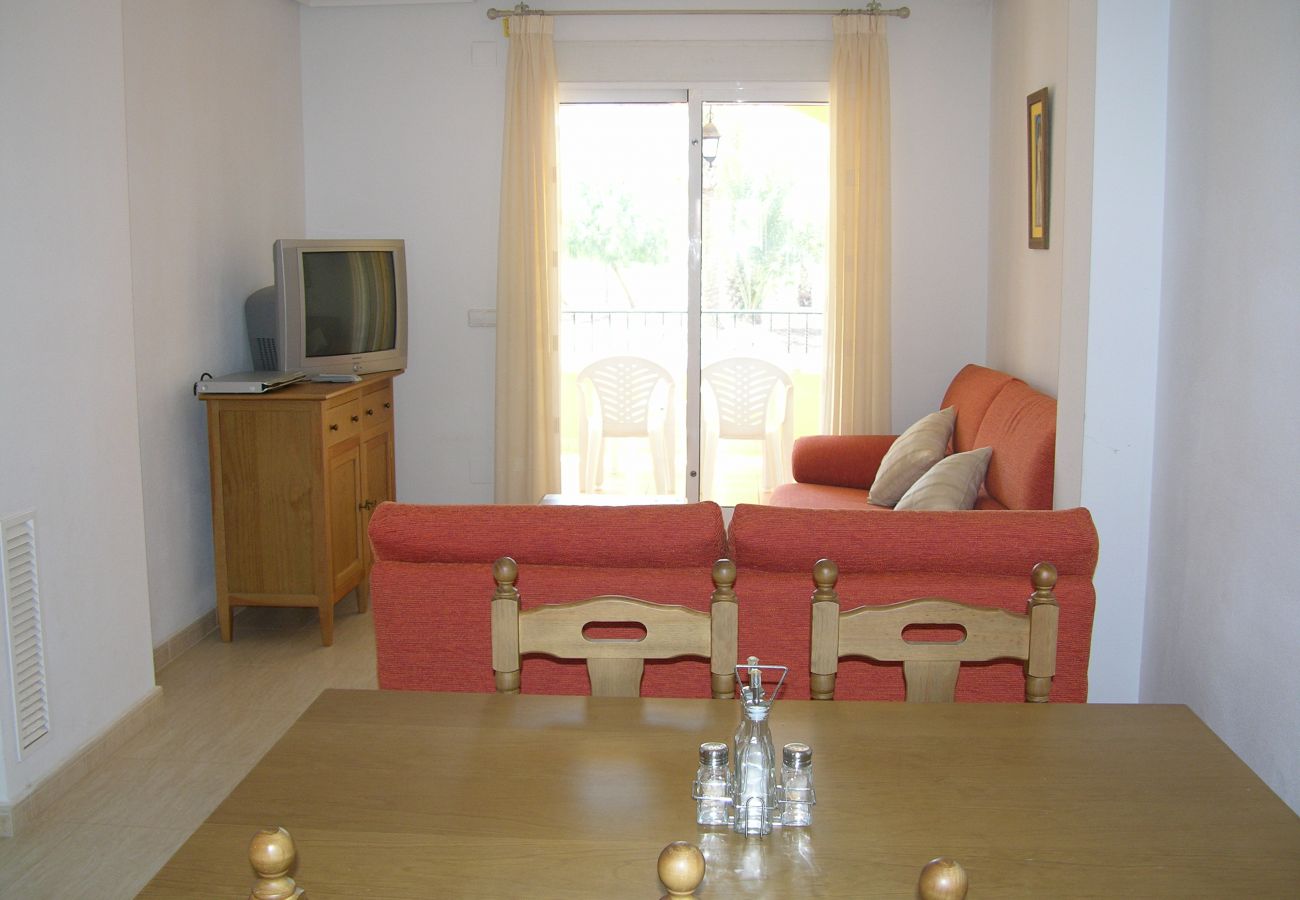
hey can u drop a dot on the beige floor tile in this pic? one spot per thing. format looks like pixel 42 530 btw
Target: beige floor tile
pixel 229 732
pixel 224 705
pixel 98 862
pixel 19 854
pixel 148 793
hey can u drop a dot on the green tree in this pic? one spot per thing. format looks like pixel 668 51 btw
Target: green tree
pixel 610 225
pixel 776 259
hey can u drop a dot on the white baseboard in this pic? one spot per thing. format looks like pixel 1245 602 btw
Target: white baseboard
pixel 15 817
pixel 167 651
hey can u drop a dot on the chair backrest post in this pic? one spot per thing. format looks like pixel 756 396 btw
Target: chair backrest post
pixel 505 626
pixel 1044 616
pixel 615 665
pixel 723 627
pixel 825 630
pixel 930 668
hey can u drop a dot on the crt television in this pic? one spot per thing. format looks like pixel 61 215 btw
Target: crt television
pixel 336 308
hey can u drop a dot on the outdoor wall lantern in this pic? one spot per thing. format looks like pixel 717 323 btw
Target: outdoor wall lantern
pixel 709 138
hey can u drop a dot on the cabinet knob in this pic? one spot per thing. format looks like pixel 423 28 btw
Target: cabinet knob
pixel 368 505
pixel 356 418
pixel 334 426
pixel 388 406
pixel 370 412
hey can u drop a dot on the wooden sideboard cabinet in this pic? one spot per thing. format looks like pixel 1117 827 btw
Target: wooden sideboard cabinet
pixel 296 473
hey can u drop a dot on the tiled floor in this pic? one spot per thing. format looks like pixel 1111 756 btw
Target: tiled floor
pixel 224 705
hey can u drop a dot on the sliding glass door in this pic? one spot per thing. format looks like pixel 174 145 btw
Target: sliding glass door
pixel 692 279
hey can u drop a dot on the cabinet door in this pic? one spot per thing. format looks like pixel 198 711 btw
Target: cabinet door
pixel 376 477
pixel 343 500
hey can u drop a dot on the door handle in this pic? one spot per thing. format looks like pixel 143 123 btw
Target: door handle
pixel 368 505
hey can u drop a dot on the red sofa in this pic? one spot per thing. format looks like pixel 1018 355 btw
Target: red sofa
pixel 993 410
pixel 431 584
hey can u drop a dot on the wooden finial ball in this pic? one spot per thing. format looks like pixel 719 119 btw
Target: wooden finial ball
pixel 272 853
pixel 942 879
pixel 1043 577
pixel 681 868
pixel 724 573
pixel 505 570
pixel 825 573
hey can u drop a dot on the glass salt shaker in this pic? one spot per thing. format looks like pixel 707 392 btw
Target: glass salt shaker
pixel 797 785
pixel 712 785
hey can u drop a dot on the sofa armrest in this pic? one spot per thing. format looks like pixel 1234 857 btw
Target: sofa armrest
pixel 843 460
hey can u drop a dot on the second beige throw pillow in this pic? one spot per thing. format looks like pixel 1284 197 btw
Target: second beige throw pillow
pixel 952 483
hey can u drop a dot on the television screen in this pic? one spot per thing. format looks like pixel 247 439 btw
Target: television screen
pixel 350 302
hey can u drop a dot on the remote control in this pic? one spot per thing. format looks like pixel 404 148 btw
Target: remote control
pixel 341 379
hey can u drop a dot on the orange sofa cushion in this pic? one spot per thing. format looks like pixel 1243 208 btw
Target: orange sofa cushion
pixel 884 557
pixel 1021 425
pixel 431 585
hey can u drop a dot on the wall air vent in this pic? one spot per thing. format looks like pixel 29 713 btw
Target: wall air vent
pixel 23 630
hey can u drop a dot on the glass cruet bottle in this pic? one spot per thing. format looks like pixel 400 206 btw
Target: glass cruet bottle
pixel 754 809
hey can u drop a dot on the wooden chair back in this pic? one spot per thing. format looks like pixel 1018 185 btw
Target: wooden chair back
pixel 930 668
pixel 614 666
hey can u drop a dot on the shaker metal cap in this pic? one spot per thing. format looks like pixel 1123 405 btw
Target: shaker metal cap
pixel 797 756
pixel 713 753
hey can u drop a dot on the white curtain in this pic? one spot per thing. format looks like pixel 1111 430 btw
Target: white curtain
pixel 527 364
pixel 857 315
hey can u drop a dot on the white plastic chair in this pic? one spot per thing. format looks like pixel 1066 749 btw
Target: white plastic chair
pixel 625 396
pixel 748 399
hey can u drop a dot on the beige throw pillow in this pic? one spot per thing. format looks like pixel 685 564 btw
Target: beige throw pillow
pixel 951 483
pixel 908 458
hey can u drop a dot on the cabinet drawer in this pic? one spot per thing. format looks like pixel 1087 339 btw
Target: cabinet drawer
pixel 377 408
pixel 342 421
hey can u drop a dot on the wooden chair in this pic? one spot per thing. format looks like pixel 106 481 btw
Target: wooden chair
pixel 614 666
pixel 930 668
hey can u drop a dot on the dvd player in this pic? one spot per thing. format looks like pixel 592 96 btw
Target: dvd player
pixel 247 382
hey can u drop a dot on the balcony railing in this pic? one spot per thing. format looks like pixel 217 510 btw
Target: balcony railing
pixel 793 333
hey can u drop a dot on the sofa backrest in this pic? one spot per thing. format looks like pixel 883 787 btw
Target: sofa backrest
pixel 618 536
pixel 972 391
pixel 1019 423
pixel 1020 426
pixel 977 557
pixel 432 585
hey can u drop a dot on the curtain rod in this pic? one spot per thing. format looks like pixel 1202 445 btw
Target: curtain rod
pixel 871 9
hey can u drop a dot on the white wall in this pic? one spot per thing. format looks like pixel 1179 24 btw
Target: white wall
pixel 1128 196
pixel 402 129
pixel 1104 62
pixel 71 451
pixel 1076 252
pixel 940 81
pixel 1030 40
pixel 1222 620
pixel 214 136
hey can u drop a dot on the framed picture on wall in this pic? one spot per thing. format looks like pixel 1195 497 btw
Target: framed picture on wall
pixel 1039 169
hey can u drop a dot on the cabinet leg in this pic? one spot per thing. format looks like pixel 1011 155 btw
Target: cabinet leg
pixel 224 618
pixel 363 595
pixel 327 623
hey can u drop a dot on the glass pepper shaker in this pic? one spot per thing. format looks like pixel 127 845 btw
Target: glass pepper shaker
pixel 712 785
pixel 797 785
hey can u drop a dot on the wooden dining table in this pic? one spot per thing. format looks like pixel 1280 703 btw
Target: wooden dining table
pixel 423 795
